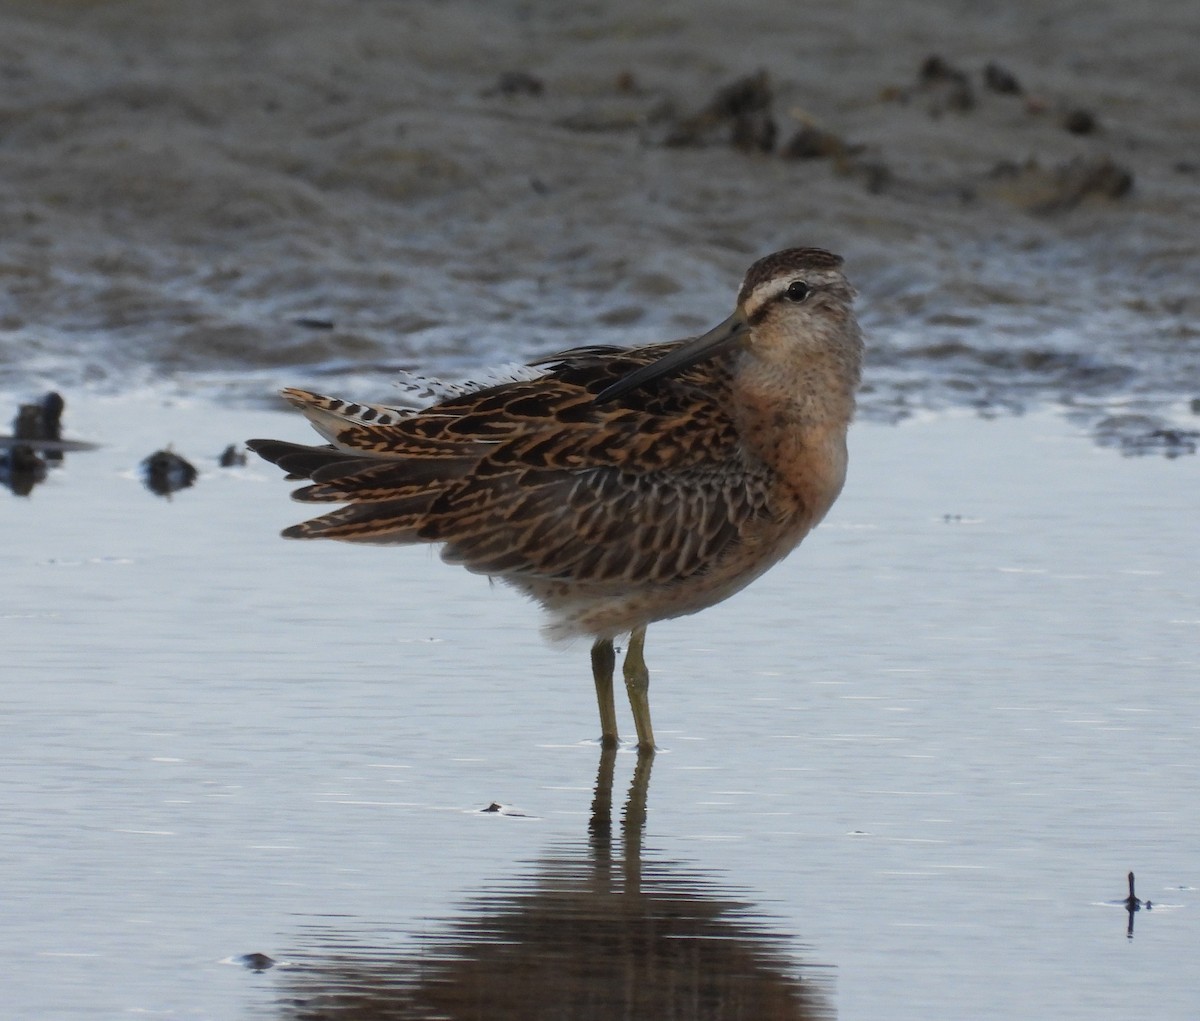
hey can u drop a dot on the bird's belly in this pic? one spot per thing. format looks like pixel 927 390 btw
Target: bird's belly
pixel 605 611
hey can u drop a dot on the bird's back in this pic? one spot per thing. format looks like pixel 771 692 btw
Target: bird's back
pixel 534 482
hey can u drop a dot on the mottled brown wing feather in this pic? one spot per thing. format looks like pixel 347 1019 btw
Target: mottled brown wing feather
pixel 533 478
pixel 600 525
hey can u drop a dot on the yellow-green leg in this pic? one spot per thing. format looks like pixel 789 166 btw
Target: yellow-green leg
pixel 637 685
pixel 603 662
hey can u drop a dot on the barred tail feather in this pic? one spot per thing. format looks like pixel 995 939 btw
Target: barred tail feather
pixel 384 524
pixel 331 415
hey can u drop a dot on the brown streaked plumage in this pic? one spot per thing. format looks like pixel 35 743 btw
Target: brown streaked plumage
pixel 616 487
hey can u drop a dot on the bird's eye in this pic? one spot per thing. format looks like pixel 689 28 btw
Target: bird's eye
pixel 797 290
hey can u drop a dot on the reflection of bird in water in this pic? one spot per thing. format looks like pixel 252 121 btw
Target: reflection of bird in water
pixel 616 487
pixel 589 937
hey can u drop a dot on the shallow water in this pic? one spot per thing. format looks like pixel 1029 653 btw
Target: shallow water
pixel 903 774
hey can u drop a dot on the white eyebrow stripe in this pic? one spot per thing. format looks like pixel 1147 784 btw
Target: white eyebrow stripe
pixel 769 290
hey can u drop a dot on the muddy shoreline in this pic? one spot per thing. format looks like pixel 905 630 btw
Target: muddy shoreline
pixel 231 197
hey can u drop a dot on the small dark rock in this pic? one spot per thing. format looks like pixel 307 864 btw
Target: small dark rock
pixel 1080 122
pixel 40 421
pixel 1137 435
pixel 947 86
pixel 754 132
pixel 935 69
pixel 1101 178
pixel 876 175
pixel 1001 79
pixel 813 143
pixel 1052 190
pixel 164 472
pixel 747 102
pixel 1168 442
pixel 28 423
pixel 495 808
pixel 52 409
pixel 751 94
pixel 232 457
pixel 517 83
pixel 739 111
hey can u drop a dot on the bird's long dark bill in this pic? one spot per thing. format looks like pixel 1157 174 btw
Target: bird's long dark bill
pixel 718 339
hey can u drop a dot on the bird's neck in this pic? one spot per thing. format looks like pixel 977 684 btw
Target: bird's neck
pixel 795 423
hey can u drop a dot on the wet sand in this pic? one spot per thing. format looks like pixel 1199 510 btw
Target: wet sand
pixel 917 759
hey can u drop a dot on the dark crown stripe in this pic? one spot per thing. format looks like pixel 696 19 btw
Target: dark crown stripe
pixel 789 260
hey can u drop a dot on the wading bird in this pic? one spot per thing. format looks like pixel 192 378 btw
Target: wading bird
pixel 614 486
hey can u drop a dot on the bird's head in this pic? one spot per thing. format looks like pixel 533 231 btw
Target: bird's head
pixel 793 304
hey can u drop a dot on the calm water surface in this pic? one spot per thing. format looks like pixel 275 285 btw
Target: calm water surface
pixel 903 774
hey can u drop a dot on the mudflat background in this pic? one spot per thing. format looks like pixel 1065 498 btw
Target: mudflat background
pixel 904 775
pixel 455 184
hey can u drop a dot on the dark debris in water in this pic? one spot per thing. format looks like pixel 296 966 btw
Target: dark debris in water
pixel 41 420
pixel 255 962
pixel 959 364
pixel 1000 79
pixel 165 472
pixel 516 83
pixel 233 456
pixel 1080 122
pixel 1133 904
pixel 1046 190
pixel 1137 435
pixel 1001 381
pixel 495 808
pixel 739 114
pixel 811 142
pixel 36 444
pixel 944 87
